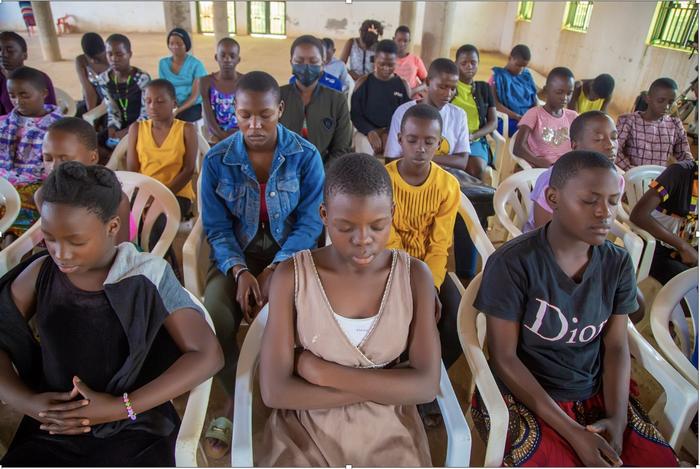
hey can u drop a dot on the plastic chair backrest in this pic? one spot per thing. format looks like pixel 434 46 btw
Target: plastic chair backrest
pixel 149 199
pixel 117 161
pixel 518 161
pixel 12 255
pixel 513 194
pixel 458 434
pixel 195 259
pixel 637 182
pixel 681 289
pixel 66 104
pixel 9 199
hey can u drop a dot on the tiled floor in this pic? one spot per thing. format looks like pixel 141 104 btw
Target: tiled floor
pixel 270 55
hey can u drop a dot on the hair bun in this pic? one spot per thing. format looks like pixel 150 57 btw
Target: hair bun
pixel 105 176
pixel 73 170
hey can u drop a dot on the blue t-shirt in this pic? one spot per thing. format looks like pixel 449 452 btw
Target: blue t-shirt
pixel 183 81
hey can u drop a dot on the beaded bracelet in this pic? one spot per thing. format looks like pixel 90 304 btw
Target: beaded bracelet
pixel 129 409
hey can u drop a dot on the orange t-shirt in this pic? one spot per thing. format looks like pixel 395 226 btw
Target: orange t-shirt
pixel 411 69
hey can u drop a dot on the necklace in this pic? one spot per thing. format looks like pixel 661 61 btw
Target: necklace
pixel 123 102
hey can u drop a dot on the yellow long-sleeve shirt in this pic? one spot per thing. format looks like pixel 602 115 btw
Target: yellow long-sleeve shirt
pixel 424 217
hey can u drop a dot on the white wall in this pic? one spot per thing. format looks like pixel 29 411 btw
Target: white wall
pixel 339 20
pixel 614 44
pixel 103 17
pixel 480 24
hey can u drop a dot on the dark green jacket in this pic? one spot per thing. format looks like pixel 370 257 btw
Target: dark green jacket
pixel 327 119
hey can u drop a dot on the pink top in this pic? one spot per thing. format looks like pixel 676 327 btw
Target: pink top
pixel 411 69
pixel 549 136
pixel 538 197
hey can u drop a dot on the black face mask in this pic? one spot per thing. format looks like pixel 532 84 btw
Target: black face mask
pixel 369 38
pixel 307 74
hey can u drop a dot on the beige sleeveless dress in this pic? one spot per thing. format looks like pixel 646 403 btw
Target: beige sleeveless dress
pixel 364 434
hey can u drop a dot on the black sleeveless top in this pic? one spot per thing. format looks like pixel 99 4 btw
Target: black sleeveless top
pixel 79 332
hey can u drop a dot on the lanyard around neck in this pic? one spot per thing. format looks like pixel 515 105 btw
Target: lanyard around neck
pixel 123 102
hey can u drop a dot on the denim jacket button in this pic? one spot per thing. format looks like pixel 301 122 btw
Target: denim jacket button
pixel 273 193
pixel 276 216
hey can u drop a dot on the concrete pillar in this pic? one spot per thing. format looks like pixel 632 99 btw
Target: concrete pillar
pixel 220 13
pixel 437 30
pixel 47 31
pixel 407 15
pixel 177 15
pixel 242 19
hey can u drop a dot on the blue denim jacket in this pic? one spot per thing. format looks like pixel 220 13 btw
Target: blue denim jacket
pixel 230 196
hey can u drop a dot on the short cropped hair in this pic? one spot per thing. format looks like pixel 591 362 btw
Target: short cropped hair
pixel 328 43
pixel 402 29
pixel 84 132
pixel 261 82
pixel 521 51
pixel 30 75
pixel 603 85
pixel 356 174
pixel 92 44
pixel 560 72
pixel 13 36
pixel 387 46
pixel 579 124
pixel 571 163
pixel 310 40
pixel 163 84
pixel 228 40
pixel 117 38
pixel 94 188
pixel 442 65
pixel 466 49
pixel 664 83
pixel 424 112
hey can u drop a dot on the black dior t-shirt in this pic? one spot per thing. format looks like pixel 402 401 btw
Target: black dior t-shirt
pixel 561 321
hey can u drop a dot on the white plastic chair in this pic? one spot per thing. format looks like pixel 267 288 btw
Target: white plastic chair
pixel 162 201
pixel 672 419
pixel 65 103
pixel 95 113
pixel 159 200
pixel 458 434
pixel 514 194
pixel 194 252
pixel 636 184
pixel 499 144
pixel 9 198
pixel 117 160
pixel 13 254
pixel 666 309
pixel 192 421
pixel 519 161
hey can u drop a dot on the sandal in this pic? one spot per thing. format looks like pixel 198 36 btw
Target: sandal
pixel 220 431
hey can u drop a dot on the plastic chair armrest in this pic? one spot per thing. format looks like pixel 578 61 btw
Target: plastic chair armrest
pixel 242 444
pixel 191 425
pixel 459 440
pixel 190 255
pixel 95 113
pixel 681 398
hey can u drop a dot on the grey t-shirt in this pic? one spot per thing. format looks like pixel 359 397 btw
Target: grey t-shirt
pixel 561 321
